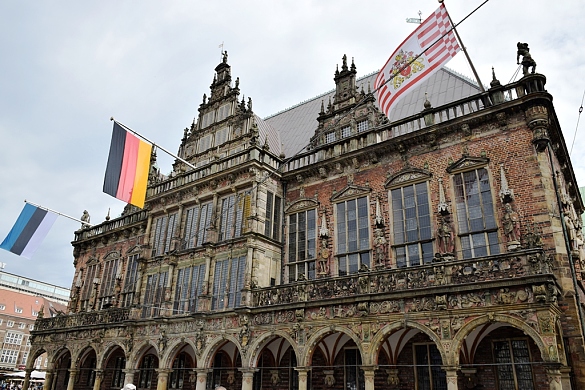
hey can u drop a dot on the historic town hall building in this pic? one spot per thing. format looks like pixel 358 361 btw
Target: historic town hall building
pixel 329 247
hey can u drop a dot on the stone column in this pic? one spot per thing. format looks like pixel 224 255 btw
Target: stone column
pixel 48 380
pixel 303 377
pixel 129 375
pixel 451 377
pixel 201 378
pixel 27 378
pixel 163 377
pixel 99 375
pixel 554 378
pixel 72 376
pixel 369 373
pixel 566 378
pixel 247 378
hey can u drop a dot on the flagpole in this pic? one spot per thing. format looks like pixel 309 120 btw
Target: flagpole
pixel 465 51
pixel 58 213
pixel 153 144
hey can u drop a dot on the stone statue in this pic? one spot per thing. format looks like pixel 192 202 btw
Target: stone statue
pixel 225 57
pixel 380 245
pixel 445 235
pixel 323 268
pixel 527 60
pixel 571 232
pixel 511 223
pixel 85 219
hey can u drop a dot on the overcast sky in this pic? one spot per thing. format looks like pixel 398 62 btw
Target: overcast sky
pixel 68 66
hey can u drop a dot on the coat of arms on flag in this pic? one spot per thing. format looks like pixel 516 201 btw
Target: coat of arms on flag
pixel 425 51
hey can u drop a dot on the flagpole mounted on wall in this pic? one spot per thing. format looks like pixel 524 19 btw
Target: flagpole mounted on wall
pixel 85 223
pixel 465 50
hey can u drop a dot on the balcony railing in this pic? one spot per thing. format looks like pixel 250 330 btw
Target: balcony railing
pixel 83 319
pixel 109 226
pixel 438 274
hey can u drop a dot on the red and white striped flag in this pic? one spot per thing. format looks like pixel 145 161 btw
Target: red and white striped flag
pixel 436 43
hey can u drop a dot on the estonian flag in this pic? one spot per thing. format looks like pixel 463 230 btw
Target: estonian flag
pixel 128 164
pixel 28 232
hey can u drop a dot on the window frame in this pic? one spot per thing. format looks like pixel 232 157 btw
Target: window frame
pixel 467 234
pixel 273 220
pixel 434 371
pixel 345 255
pixel 197 221
pixel 302 252
pixel 512 361
pixel 421 246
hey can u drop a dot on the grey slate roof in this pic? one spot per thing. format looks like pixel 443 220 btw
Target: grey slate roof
pixel 297 124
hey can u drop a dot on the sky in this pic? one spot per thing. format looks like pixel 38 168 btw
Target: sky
pixel 68 66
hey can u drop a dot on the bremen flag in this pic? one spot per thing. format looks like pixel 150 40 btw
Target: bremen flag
pixel 28 231
pixel 128 164
pixel 424 52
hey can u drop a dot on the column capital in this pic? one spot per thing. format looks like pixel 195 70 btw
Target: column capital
pixel 303 370
pixel 163 371
pixel 248 371
pixel 129 370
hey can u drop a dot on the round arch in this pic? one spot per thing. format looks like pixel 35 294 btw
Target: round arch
pixel 102 357
pixel 138 351
pixel 314 340
pixel 387 330
pixel 166 360
pixel 213 346
pixel 259 343
pixel 504 319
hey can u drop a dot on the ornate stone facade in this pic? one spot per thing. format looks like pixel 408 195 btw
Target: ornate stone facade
pixel 442 249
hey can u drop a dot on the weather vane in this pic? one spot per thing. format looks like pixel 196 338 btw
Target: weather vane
pixel 415 20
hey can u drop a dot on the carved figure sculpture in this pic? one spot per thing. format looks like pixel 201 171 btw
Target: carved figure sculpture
pixel 527 60
pixel 380 245
pixel 85 218
pixel 445 235
pixel 511 223
pixel 323 259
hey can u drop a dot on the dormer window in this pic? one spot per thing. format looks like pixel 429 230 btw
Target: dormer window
pixel 223 112
pixel 345 132
pixel 204 143
pixel 363 126
pixel 330 137
pixel 207 119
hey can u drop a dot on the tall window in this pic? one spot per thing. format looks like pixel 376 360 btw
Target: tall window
pixel 108 282
pixel 429 374
pixel 272 222
pixel 118 374
pixel 154 294
pixel 228 273
pixel 147 367
pixel 189 287
pixel 197 221
pixel 221 136
pixel 232 211
pixel 354 376
pixel 88 285
pixel 302 233
pixel 176 378
pixel 512 358
pixel 353 235
pixel 411 225
pixel 363 126
pixel 475 214
pixel 164 230
pixel 130 281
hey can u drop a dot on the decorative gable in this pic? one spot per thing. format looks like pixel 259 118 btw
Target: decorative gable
pixel 407 176
pixel 466 163
pixel 351 191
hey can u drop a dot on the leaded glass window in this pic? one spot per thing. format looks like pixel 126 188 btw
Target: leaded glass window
pixel 164 230
pixel 475 214
pixel 130 280
pixel 512 358
pixel 197 221
pixel 232 212
pixel 429 374
pixel 228 273
pixel 302 235
pixel 189 286
pixel 273 219
pixel 108 282
pixel 154 294
pixel 411 225
pixel 353 235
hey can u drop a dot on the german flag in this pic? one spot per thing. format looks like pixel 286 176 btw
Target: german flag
pixel 128 164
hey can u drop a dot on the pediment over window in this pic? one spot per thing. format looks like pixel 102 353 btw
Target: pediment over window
pixel 112 256
pixel 467 162
pixel 351 191
pixel 136 249
pixel 301 204
pixel 93 260
pixel 411 175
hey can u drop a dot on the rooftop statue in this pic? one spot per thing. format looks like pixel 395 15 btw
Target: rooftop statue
pixel 527 60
